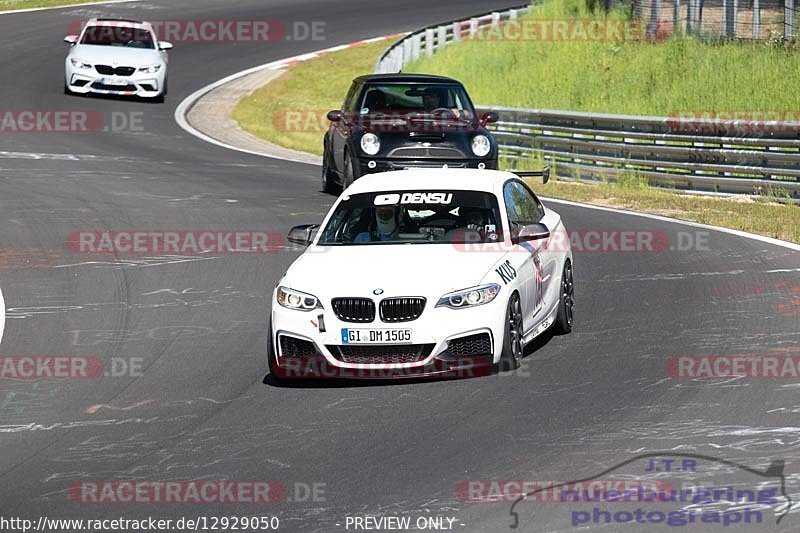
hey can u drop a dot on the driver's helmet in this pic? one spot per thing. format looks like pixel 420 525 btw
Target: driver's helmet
pixel 386 220
pixel 433 98
pixel 473 217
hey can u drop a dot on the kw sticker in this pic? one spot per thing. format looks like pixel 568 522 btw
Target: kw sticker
pixel 506 272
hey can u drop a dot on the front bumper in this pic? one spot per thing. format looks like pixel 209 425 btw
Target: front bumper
pixel 145 85
pixel 439 330
pixel 372 165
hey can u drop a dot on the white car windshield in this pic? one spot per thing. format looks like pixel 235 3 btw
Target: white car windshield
pixel 116 35
pixel 417 217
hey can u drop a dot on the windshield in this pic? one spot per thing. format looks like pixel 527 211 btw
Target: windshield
pixel 116 35
pixel 426 99
pixel 410 216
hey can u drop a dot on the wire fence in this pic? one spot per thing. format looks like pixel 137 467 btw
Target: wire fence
pixel 742 19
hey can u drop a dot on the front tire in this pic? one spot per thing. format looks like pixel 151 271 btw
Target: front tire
pixel 511 356
pixel 351 170
pixel 272 360
pixel 66 89
pixel 566 302
pixel 328 174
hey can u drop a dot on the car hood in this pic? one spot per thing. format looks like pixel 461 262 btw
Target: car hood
pixel 108 55
pixel 429 270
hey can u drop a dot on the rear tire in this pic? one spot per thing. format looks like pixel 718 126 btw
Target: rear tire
pixel 511 356
pixel 566 302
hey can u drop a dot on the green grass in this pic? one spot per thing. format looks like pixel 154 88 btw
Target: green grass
pixel 9 5
pixel 291 110
pixel 299 89
pixel 682 73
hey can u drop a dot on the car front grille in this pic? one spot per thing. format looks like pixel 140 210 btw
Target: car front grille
pixel 108 70
pixel 294 347
pixel 401 309
pixel 479 344
pixel 432 152
pixel 381 354
pixel 118 88
pixel 354 309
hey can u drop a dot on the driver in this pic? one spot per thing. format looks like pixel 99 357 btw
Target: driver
pixel 385 225
pixel 472 218
pixel 431 99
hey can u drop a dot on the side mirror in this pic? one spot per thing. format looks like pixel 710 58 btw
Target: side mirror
pixel 71 39
pixel 303 234
pixel 334 115
pixel 165 45
pixel 490 117
pixel 531 232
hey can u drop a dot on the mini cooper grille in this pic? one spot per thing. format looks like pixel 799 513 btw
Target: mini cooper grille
pixel 354 309
pixel 432 152
pixel 381 354
pixel 401 309
pixel 108 70
pixel 480 344
pixel 294 347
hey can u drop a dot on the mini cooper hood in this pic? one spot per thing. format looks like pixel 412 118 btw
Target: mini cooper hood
pixel 429 270
pixel 109 55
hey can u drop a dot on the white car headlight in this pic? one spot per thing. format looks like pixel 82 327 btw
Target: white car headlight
pixel 470 297
pixel 301 301
pixel 481 145
pixel 77 63
pixel 152 69
pixel 370 143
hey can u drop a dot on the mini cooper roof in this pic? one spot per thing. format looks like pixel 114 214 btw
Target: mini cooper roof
pixel 459 179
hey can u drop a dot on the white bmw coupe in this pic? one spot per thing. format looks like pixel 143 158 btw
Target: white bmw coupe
pixel 422 273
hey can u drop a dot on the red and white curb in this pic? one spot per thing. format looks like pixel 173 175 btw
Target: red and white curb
pixel 186 105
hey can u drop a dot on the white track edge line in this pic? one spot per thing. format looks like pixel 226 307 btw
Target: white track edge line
pixel 49 8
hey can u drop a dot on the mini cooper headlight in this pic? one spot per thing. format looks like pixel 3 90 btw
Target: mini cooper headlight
pixel 370 143
pixel 152 69
pixel 300 301
pixel 470 297
pixel 77 63
pixel 481 145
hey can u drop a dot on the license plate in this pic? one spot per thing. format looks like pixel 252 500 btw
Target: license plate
pixel 115 81
pixel 376 336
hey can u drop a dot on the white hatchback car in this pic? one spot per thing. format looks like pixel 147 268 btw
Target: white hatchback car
pixel 116 56
pixel 422 273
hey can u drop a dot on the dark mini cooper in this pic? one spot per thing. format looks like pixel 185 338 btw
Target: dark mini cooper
pixel 398 121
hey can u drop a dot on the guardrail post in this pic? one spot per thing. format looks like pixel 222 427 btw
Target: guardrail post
pixel 456 31
pixel 441 39
pixel 416 47
pixel 495 18
pixel 473 27
pixel 676 15
pixel 655 15
pixel 429 44
pixel 513 14
pixel 789 29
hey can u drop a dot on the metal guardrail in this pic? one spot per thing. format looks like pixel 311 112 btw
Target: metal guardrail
pixel 700 154
pixel 428 40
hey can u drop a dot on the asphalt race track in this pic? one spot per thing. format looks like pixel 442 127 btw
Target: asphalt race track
pixel 201 407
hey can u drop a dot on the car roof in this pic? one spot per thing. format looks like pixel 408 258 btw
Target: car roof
pixel 120 22
pixel 407 78
pixel 459 179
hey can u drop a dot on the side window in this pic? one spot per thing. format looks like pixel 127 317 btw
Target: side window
pixel 349 104
pixel 522 206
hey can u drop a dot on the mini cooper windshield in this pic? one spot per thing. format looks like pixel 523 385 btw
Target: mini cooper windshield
pixel 390 99
pixel 405 217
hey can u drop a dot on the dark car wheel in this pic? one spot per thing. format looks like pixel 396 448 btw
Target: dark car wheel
pixel 351 170
pixel 328 174
pixel 566 303
pixel 272 360
pixel 511 356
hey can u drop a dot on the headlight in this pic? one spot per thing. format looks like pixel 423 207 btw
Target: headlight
pixel 481 145
pixel 470 297
pixel 370 143
pixel 297 300
pixel 152 69
pixel 77 63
